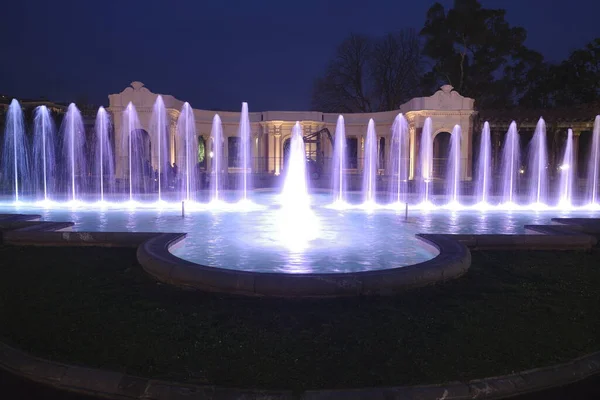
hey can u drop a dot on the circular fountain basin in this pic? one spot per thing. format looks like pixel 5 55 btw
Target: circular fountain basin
pixel 262 236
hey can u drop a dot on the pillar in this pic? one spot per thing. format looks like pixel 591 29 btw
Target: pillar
pixel 496 146
pixel 277 149
pixel 416 156
pixel 469 160
pixel 412 134
pixel 575 165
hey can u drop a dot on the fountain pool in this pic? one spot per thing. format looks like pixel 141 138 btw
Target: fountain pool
pixel 254 240
pixel 71 175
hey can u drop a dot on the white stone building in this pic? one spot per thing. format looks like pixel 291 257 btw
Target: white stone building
pixel 271 129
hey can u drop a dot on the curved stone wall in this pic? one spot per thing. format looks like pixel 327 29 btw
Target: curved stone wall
pixel 452 261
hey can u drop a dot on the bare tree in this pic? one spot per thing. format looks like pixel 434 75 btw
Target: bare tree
pixel 344 87
pixel 396 69
pixel 370 75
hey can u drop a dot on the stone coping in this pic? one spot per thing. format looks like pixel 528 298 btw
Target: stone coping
pixel 116 385
pixel 155 258
pixel 452 261
pixel 547 237
pixel 153 254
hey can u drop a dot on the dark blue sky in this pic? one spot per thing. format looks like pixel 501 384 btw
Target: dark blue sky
pixel 216 54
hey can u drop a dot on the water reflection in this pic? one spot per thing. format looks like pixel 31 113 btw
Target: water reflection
pixel 324 240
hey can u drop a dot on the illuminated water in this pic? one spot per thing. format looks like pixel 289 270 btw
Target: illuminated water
pixel 370 165
pixel 511 164
pixel 339 163
pixel 44 159
pixel 426 164
pixel 292 227
pixel 454 167
pixel 349 240
pixel 484 166
pixel 399 161
pixel 538 164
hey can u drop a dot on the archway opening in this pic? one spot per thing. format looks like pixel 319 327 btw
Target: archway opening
pixel 441 150
pixel 141 166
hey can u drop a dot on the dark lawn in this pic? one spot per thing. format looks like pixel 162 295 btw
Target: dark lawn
pixel 95 306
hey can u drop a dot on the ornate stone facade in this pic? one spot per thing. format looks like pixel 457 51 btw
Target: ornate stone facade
pixel 271 129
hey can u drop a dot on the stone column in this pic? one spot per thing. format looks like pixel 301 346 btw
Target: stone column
pixel 575 165
pixel 277 149
pixel 173 141
pixel 415 156
pixel 119 151
pixel 361 153
pixel 496 148
pixel 225 150
pixel 255 154
pixel 208 148
pixel 469 169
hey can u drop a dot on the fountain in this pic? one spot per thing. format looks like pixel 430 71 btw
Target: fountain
pixel 132 140
pixel 160 135
pixel 186 129
pixel 297 224
pixel 426 153
pixel 339 163
pixel 399 159
pixel 538 162
pixel 282 235
pixel 511 163
pixel 44 160
pixel 566 174
pixel 15 157
pixel 295 191
pixel 594 165
pixel 454 168
pixel 370 165
pixel 216 179
pixel 484 166
pixel 246 154
pixel 72 134
pixel 104 169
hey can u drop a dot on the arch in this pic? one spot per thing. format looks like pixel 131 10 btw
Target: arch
pixel 381 153
pixel 583 151
pixel 285 151
pixel 202 152
pixel 441 149
pixel 140 160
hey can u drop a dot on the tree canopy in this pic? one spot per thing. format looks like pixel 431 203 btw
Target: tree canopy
pixel 467 46
pixel 370 74
pixel 475 50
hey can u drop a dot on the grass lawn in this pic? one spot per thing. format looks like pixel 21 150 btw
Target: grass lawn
pixel 95 306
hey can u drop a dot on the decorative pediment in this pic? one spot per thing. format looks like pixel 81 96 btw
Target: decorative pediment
pixel 140 96
pixel 444 99
pixel 136 93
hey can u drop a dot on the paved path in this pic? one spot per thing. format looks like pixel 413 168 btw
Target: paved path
pixel 14 388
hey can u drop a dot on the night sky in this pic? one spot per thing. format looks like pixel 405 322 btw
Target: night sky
pixel 216 54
